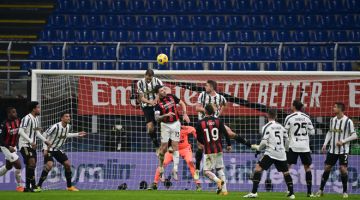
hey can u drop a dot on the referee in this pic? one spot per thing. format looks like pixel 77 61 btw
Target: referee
pixel 148 99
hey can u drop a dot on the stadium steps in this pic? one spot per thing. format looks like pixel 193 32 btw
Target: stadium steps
pixel 21 20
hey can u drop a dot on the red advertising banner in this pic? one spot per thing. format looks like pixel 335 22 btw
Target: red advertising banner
pixel 111 96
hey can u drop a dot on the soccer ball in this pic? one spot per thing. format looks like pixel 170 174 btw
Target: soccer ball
pixel 162 59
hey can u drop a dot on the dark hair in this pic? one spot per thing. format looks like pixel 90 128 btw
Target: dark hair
pixel 340 105
pixel 297 104
pixel 272 113
pixel 32 105
pixel 157 88
pixel 149 72
pixel 209 109
pixel 64 113
pixel 212 83
pixel 8 109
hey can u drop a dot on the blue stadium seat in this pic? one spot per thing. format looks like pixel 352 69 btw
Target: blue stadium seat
pixel 348 53
pixel 136 6
pixel 290 67
pixel 120 36
pixel 207 6
pixel 235 66
pixel 225 6
pixel 111 21
pixel 49 35
pixel 238 53
pixel 307 66
pixel 228 36
pixel 138 36
pixel 261 6
pixel 319 36
pixel 309 22
pixel 76 21
pixel 164 22
pixel 93 21
pixel 257 53
pixel 290 21
pixel 216 66
pixel 67 35
pixel 217 22
pixel 124 66
pixel 129 22
pixel 201 53
pixel 103 35
pixel 95 53
pixel 339 36
pixel 344 66
pixel 183 53
pixel 292 53
pixel 210 36
pixel 301 36
pixel 328 53
pixel 72 65
pixel 146 22
pixel 243 6
pixel 247 36
pixel 352 6
pixel 75 53
pixel 189 6
pixel 154 6
pixel 272 21
pixel 315 6
pixel 106 66
pixel 147 53
pixel 174 36
pixel 102 6
pixel 65 6
pixel 191 36
pixel 236 21
pixel 327 21
pixel 55 53
pixel 51 65
pixel 217 53
pixel 165 50
pixel 188 66
pixel 39 52
pixel 253 21
pixel 118 6
pixel 85 6
pixel 296 6
pixel 354 35
pixel 334 6
pixel 345 21
pixel 327 67
pixel 130 53
pixel 312 53
pixel 264 36
pixel 139 66
pixel 272 53
pixel 282 36
pixel 172 6
pixel 56 21
pixel 84 35
pixel 199 21
pixel 270 67
pixel 183 22
pixel 249 66
pixel 110 52
pixel 157 36
pixel 278 6
pixel 85 65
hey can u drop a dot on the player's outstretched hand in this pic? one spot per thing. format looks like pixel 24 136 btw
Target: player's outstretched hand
pixel 82 134
pixel 323 149
pixel 186 118
pixel 228 148
pixel 339 143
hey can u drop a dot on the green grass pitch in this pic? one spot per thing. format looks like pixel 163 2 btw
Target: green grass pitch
pixel 148 195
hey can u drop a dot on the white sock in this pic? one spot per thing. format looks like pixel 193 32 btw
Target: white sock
pixel 221 175
pixel 3 170
pixel 18 177
pixel 176 160
pixel 212 176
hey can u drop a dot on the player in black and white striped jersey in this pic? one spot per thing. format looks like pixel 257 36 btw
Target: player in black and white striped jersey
pixel 57 135
pixel 299 127
pixel 210 96
pixel 28 131
pixel 148 100
pixel 341 132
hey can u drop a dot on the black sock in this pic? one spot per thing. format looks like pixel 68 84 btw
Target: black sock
pixel 43 176
pixel 344 180
pixel 308 177
pixel 154 139
pixel 27 179
pixel 242 140
pixel 31 177
pixel 289 183
pixel 198 158
pixel 256 181
pixel 68 178
pixel 324 179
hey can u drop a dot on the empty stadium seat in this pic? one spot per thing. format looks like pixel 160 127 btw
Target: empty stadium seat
pixel 200 22
pixel 55 53
pixel 261 6
pixel 339 36
pixel 191 36
pixel 93 21
pixel 290 67
pixel 164 22
pixel 157 36
pixel 75 52
pixel 39 52
pixel 217 53
pixel 344 66
pixel 51 65
pixel 189 6
pixel 228 36
pixel 301 36
pixel 76 21
pixel 215 66
pixel 264 36
pixel 146 22
pixel 136 6
pixel 312 53
pixel 257 53
pixel 307 66
pixel 130 53
pixel 319 36
pixel 292 53
pixel 238 53
pixel 147 53
pixel 348 53
pixel 201 53
pixel 120 36
pixel 102 6
pixel 118 6
pixel 272 53
pixel 272 21
pixel 207 6
pixel 210 36
pixel 282 36
pixel 174 36
pixel 296 6
pixel 328 53
pixel 56 21
pixel 172 6
pixel 217 22
pixel 183 53
pixel 138 36
pixel 106 66
pixel 183 22
pixel 94 53
pixel 243 6
pixel 154 6
pixel 225 6
pixel 247 36
pixel 270 67
pixel 110 52
pixel 278 6
pixel 354 36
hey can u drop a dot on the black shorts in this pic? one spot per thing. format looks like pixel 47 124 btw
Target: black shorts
pixel 28 153
pixel 60 156
pixel 292 157
pixel 331 159
pixel 266 162
pixel 149 114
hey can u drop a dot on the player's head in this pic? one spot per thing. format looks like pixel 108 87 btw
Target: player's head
pixel 339 107
pixel 34 107
pixel 210 86
pixel 149 74
pixel 297 105
pixel 11 113
pixel 271 114
pixel 209 109
pixel 160 90
pixel 65 117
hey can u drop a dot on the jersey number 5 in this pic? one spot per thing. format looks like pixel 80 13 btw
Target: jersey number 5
pixel 214 134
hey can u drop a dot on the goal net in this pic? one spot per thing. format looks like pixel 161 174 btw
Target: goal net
pixel 118 150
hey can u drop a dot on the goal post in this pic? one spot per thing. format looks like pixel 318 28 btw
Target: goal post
pixel 118 149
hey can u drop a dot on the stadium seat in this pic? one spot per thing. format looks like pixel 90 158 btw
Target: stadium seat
pixel 328 53
pixel 120 36
pixel 309 22
pixel 301 36
pixel 154 6
pixel 85 6
pixel 261 6
pixel 136 6
pixel 102 6
pixel 296 6
pixel 146 22
pixel 254 21
pixel 94 53
pixel 194 66
pixel 207 6
pixel 183 53
pixel 216 66
pixel 272 21
pixel 312 53
pixel 339 36
pixel 124 66
pixel 234 66
pixel 270 67
pixel 243 6
pixel 292 53
pixel 110 52
pixel 201 53
pixel 354 36
pixel 327 21
pixel 228 36
pixel 225 6
pixel 264 36
pixel 65 6
pixel 217 53
pixel 352 6
pixel 76 21
pixel 84 35
pixel 103 35
pixel 189 6
pixel 272 53
pixel 344 66
pixel 191 36
pixel 174 36
pixel 315 6
pixel 157 36
pixel 327 66
pixel 249 66
pixel 345 21
pixel 217 22
pixel 238 53
pixel 56 21
pixel 106 66
pixel 85 65
pixel 55 53
pixel 39 52
pixel 278 6
pixel 138 36
pixel 75 53
pixel 307 66
pixel 348 53
pixel 165 50
pixel 290 21
pixel 334 6
pixel 290 67
pixel 128 22
pixel 183 22
pixel 93 21
pixel 51 65
pixel 147 53
pixel 130 53
pixel 200 22
pixel 257 53
pixel 118 6
pixel 210 36
pixel 319 36
pixel 172 6
pixel 282 36
pixel 111 21
pixel 49 35
pixel 235 21
pixel 247 36
pixel 164 22
pixel 67 35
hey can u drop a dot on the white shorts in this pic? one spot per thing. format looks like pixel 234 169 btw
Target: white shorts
pixel 213 161
pixel 12 157
pixel 170 131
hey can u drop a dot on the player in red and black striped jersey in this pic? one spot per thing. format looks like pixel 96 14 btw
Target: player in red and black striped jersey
pixel 167 114
pixel 210 131
pixel 8 142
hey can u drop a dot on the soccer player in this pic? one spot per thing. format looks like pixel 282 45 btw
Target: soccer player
pixel 210 131
pixel 148 99
pixel 167 114
pixel 210 96
pixel 273 143
pixel 28 131
pixel 184 151
pixel 341 132
pixel 58 134
pixel 8 141
pixel 299 126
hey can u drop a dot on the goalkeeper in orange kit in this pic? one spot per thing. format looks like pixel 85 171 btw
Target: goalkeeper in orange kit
pixel 184 151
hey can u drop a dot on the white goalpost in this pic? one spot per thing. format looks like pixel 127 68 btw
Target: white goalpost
pixel 118 150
